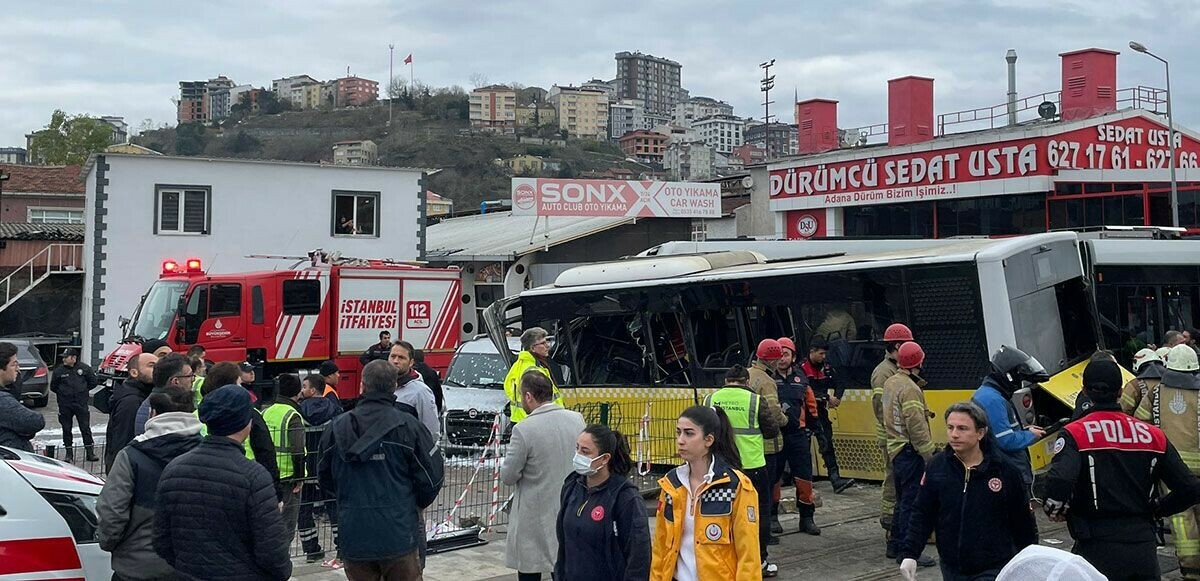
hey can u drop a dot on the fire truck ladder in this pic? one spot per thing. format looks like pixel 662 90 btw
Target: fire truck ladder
pixel 53 259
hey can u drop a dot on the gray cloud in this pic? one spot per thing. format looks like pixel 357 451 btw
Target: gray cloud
pixel 126 57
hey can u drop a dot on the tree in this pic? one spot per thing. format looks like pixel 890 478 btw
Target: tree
pixel 478 80
pixel 397 87
pixel 189 139
pixel 69 140
pixel 270 103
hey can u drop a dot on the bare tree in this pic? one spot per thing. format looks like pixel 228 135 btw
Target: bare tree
pixel 397 87
pixel 478 80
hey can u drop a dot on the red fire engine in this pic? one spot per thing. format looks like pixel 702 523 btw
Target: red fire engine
pixel 291 320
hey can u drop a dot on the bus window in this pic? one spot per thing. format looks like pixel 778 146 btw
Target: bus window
pixel 608 349
pixel 770 321
pixel 1055 325
pixel 670 349
pixel 715 333
pixel 1178 307
pixel 850 311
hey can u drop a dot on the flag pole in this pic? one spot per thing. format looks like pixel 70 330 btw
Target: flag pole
pixel 391 76
pixel 411 79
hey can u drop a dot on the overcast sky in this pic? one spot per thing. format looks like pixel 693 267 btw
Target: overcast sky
pixel 126 57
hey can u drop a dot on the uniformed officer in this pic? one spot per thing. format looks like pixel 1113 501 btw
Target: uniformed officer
pixel 1148 366
pixel 910 444
pixel 822 382
pixel 73 382
pixel 753 423
pixel 287 433
pixel 1103 476
pixel 895 335
pixel 1171 404
pixel 800 406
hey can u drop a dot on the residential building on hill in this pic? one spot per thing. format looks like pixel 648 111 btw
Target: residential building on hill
pixel 582 112
pixel 781 140
pixel 646 146
pixel 722 132
pixel 655 81
pixel 690 161
pixel 493 108
pixel 13 155
pixel 695 108
pixel 624 116
pixel 536 115
pixel 355 152
pixel 355 92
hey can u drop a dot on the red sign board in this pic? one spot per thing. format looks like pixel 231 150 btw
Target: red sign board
pixel 615 198
pixel 804 224
pixel 1132 143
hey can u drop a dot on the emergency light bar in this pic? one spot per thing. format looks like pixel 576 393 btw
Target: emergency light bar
pixel 170 266
pixel 191 265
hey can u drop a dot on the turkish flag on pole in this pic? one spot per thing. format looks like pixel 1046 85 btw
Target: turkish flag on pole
pixel 408 59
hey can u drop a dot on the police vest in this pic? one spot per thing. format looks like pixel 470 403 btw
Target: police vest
pixel 741 405
pixel 278 416
pixel 245 443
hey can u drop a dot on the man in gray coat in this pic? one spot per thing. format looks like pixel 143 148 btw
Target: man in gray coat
pixel 539 458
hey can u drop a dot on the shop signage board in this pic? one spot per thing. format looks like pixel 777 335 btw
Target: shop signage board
pixel 998 167
pixel 615 198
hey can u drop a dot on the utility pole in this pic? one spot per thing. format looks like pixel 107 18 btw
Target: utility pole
pixel 3 178
pixel 767 83
pixel 391 75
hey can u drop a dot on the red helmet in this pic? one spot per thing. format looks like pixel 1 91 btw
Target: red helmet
pixel 769 350
pixel 788 344
pixel 897 332
pixel 910 356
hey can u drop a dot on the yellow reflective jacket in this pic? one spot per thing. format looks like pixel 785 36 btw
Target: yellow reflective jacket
pixel 726 526
pixel 512 384
pixel 906 416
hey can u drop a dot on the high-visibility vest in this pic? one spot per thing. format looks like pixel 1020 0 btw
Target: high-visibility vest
pixel 278 416
pixel 741 405
pixel 245 443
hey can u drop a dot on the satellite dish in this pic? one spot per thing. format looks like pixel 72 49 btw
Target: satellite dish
pixel 1047 110
pixel 747 182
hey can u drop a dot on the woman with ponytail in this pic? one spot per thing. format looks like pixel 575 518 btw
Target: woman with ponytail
pixel 602 530
pixel 707 519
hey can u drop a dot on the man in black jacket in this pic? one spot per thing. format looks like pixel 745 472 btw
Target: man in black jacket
pixel 124 403
pixel 384 468
pixel 430 376
pixel 378 350
pixel 217 515
pixel 18 424
pixel 1102 481
pixel 72 384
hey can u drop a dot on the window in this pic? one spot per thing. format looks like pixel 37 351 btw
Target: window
pixel 225 300
pixel 301 297
pixel 355 213
pixel 79 510
pixel 182 209
pixel 256 305
pixel 55 216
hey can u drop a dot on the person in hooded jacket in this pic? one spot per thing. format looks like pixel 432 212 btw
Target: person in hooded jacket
pixel 18 424
pixel 603 534
pixel 974 499
pixel 383 468
pixel 411 389
pixel 127 501
pixel 1011 368
pixel 318 412
pixel 123 405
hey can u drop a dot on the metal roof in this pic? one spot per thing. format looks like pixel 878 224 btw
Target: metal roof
pixel 31 231
pixel 503 236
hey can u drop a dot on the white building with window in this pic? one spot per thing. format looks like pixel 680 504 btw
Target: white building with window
pixel 721 132
pixel 142 210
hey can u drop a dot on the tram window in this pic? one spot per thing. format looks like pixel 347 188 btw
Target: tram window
pixel 1136 320
pixel 715 334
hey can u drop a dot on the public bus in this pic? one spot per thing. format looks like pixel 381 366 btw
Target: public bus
pixel 646 336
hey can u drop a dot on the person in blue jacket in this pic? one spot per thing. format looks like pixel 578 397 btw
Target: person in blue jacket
pixel 1011 367
pixel 603 534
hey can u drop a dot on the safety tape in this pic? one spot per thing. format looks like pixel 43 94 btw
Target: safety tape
pixel 495 479
pixel 643 459
pixel 494 439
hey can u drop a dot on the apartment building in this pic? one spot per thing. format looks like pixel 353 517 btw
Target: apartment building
pixel 625 116
pixel 581 112
pixel 354 92
pixel 355 152
pixel 721 132
pixel 646 146
pixel 653 80
pixel 493 108
pixel 695 108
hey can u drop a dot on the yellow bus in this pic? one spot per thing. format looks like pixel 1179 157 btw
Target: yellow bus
pixel 643 337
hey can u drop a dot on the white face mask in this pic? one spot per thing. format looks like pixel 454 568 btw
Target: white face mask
pixel 583 465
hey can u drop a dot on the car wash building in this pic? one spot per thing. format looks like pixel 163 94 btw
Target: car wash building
pixel 1089 154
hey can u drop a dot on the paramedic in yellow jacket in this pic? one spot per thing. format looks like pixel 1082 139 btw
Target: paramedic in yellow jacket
pixel 535 354
pixel 706 526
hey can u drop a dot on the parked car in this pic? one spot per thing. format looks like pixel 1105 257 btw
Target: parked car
pixel 33 383
pixel 474 392
pixel 48 519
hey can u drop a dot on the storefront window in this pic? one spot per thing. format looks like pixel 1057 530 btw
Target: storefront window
pixel 1187 207
pixel 1097 211
pixel 1160 209
pixel 890 220
pixel 992 216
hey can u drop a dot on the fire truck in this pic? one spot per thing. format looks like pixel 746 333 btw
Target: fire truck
pixel 288 321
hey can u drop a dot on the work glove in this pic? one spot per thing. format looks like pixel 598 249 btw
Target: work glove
pixel 908 569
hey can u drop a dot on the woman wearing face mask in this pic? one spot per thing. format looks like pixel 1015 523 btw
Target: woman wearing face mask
pixel 602 529
pixel 706 526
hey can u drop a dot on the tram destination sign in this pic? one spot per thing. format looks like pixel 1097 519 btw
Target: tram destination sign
pixel 615 198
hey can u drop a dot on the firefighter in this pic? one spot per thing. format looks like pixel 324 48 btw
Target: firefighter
pixel 535 354
pixel 821 381
pixel 1011 368
pixel 1177 389
pixel 753 424
pixel 763 373
pixel 1102 480
pixel 910 444
pixel 799 405
pixel 1148 366
pixel 73 381
pixel 895 335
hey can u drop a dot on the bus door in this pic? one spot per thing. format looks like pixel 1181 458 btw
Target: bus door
pixel 1178 302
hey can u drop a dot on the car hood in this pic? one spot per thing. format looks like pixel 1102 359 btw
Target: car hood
pixel 467 398
pixel 49 474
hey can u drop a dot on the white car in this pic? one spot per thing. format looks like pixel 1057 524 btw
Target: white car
pixel 474 392
pixel 48 520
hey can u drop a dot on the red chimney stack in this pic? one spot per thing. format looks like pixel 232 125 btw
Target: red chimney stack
pixel 910 110
pixel 817 121
pixel 1089 83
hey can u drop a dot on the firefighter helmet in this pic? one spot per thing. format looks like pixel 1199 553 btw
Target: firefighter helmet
pixel 769 350
pixel 788 344
pixel 897 332
pixel 1143 357
pixel 1162 353
pixel 910 356
pixel 1182 358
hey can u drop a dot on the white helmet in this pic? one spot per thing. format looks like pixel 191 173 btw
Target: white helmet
pixel 1162 353
pixel 1143 357
pixel 1038 562
pixel 1182 358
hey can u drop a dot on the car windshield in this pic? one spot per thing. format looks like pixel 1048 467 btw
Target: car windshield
pixel 477 370
pixel 153 319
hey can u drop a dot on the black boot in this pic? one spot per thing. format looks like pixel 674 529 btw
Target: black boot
pixel 776 527
pixel 809 526
pixel 839 484
pixel 69 454
pixel 91 454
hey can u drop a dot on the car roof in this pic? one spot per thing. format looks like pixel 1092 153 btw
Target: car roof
pixel 485 345
pixel 49 474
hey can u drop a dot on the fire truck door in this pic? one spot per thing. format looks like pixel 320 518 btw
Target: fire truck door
pixel 219 323
pixel 299 335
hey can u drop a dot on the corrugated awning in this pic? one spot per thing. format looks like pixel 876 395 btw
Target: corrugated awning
pixel 502 236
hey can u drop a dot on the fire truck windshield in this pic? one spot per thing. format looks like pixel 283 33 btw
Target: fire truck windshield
pixel 153 319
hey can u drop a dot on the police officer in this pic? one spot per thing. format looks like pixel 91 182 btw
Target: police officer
pixel 821 381
pixel 73 382
pixel 910 444
pixel 895 335
pixel 799 405
pixel 1170 404
pixel 753 423
pixel 1011 368
pixel 1103 476
pixel 1148 366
